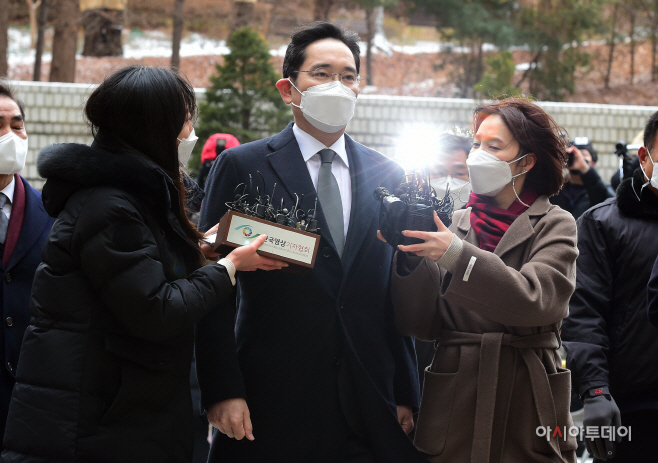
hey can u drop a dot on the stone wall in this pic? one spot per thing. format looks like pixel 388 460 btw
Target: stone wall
pixel 380 120
pixel 54 115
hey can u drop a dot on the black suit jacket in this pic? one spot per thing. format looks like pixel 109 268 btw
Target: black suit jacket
pixel 294 332
pixel 15 290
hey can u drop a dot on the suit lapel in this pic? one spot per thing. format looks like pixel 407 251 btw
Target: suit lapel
pixel 365 178
pixel 34 222
pixel 522 228
pixel 464 230
pixel 287 161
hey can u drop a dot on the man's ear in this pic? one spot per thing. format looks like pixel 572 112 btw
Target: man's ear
pixel 285 89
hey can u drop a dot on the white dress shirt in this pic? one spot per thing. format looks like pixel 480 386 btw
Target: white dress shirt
pixel 9 192
pixel 310 147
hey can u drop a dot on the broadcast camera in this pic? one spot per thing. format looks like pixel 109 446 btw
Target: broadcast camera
pixel 411 207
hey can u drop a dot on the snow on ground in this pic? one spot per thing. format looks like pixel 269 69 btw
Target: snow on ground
pixel 141 44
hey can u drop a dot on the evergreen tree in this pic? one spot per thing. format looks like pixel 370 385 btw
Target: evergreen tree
pixel 242 98
pixel 554 31
pixel 468 25
pixel 497 81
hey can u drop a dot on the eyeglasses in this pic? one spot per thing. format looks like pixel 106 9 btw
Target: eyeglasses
pixel 347 78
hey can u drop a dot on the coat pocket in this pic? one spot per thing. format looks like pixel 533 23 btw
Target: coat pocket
pixel 435 411
pixel 560 383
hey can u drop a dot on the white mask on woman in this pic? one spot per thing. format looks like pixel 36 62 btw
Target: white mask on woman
pixel 488 174
pixel 185 147
pixel 13 151
pixel 460 189
pixel 327 107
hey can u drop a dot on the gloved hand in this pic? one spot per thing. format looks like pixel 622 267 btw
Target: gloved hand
pixel 601 411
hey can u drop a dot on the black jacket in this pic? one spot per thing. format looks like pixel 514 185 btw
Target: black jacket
pixel 578 198
pixel 105 364
pixel 297 333
pixel 608 337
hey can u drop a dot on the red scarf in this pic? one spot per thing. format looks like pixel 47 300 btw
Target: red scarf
pixel 490 222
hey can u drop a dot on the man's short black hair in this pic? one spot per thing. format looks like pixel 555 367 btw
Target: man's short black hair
pixel 650 131
pixel 306 35
pixel 588 146
pixel 452 142
pixel 6 91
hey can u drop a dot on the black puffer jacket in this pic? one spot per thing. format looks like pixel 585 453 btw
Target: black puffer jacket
pixel 608 337
pixel 105 365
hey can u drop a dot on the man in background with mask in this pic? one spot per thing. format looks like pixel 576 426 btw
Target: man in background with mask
pixel 24 227
pixel 449 169
pixel 612 349
pixel 320 373
pixel 584 187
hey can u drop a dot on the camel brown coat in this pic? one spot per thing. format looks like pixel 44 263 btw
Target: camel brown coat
pixel 496 376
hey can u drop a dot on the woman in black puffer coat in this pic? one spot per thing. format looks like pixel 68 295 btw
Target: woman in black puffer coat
pixel 105 364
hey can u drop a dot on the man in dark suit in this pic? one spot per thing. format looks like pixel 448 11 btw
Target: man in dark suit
pixel 319 374
pixel 24 226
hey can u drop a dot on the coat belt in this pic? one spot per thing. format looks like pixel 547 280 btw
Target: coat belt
pixel 490 350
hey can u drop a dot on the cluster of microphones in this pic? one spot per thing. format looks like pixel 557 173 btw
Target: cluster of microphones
pixel 264 207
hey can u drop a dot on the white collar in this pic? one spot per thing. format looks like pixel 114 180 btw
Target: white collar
pixel 310 146
pixel 9 189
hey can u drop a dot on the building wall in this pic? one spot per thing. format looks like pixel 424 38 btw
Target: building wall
pixel 54 115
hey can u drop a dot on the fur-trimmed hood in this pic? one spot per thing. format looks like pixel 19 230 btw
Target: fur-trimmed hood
pixel 629 194
pixel 68 167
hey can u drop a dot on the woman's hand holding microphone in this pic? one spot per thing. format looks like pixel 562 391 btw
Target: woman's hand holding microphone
pixel 435 245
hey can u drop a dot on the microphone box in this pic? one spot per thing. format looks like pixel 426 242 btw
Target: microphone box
pixel 296 247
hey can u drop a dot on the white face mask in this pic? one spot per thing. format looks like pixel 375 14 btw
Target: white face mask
pixel 460 190
pixel 327 107
pixel 13 151
pixel 488 174
pixel 654 175
pixel 185 147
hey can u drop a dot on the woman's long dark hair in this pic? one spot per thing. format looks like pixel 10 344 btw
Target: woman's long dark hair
pixel 143 109
pixel 536 132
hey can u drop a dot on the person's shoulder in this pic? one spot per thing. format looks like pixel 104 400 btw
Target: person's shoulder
pixel 253 147
pixel 602 211
pixel 557 213
pixel 374 156
pixel 29 189
pixel 558 220
pixel 363 149
pixel 104 204
pixel 247 153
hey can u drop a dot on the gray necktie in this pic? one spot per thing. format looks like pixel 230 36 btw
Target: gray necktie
pixel 4 221
pixel 329 196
